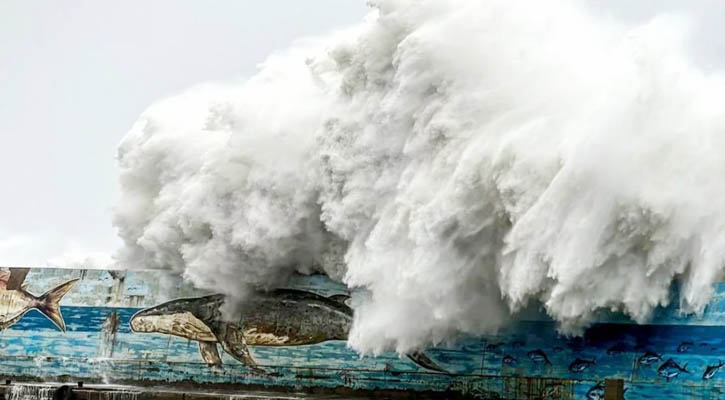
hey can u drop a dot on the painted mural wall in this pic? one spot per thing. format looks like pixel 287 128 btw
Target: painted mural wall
pixel 148 327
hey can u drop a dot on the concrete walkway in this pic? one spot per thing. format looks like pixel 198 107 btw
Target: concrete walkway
pixel 109 392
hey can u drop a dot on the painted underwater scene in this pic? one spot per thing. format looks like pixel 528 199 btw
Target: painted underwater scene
pixel 674 357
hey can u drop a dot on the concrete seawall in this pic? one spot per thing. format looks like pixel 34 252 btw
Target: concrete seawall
pixel 149 331
pixel 21 391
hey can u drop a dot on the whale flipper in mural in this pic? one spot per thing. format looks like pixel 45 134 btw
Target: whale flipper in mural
pixel 209 353
pixel 421 359
pixel 309 318
pixel 233 342
pixel 15 301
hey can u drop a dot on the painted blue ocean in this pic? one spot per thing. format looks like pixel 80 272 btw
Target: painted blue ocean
pixel 34 346
pixel 675 356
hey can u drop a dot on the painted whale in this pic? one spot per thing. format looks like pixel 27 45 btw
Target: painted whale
pixel 283 317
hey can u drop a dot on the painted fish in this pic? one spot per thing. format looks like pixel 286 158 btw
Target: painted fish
pixel 649 357
pixel 538 356
pixel 671 369
pixel 552 390
pixel 14 304
pixel 596 392
pixel 684 347
pixel 580 365
pixel 308 318
pixel 616 349
pixel 494 346
pixel 510 360
pixel 711 370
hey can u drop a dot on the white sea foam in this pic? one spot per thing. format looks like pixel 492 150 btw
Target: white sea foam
pixel 458 160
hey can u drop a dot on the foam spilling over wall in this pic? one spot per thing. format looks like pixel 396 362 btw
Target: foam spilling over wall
pixel 457 160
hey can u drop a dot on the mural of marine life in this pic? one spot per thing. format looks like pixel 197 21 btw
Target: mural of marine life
pixel 649 357
pixel 711 370
pixel 616 349
pixel 538 356
pixel 551 390
pixel 596 392
pixel 509 360
pixel 284 317
pixel 494 346
pixel 580 365
pixel 187 336
pixel 685 346
pixel 16 301
pixel 671 369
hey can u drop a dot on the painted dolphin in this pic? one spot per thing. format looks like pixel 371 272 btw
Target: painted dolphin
pixel 15 301
pixel 283 317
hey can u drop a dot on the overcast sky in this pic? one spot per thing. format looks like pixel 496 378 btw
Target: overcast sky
pixel 74 76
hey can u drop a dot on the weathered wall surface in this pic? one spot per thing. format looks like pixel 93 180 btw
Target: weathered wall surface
pixel 146 327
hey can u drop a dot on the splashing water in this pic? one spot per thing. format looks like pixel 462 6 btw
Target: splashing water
pixel 456 160
pixel 118 395
pixel 45 392
pixel 31 392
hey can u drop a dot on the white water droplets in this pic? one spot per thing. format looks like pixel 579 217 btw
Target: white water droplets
pixel 458 160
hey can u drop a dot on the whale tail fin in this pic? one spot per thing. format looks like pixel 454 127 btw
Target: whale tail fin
pixel 421 359
pixel 49 303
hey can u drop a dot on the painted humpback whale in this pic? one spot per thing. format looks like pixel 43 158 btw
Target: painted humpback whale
pixel 283 317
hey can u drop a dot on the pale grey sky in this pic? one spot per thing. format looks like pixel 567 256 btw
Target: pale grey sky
pixel 74 76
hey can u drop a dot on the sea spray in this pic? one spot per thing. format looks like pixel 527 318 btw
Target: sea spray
pixel 456 160
pixel 31 392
